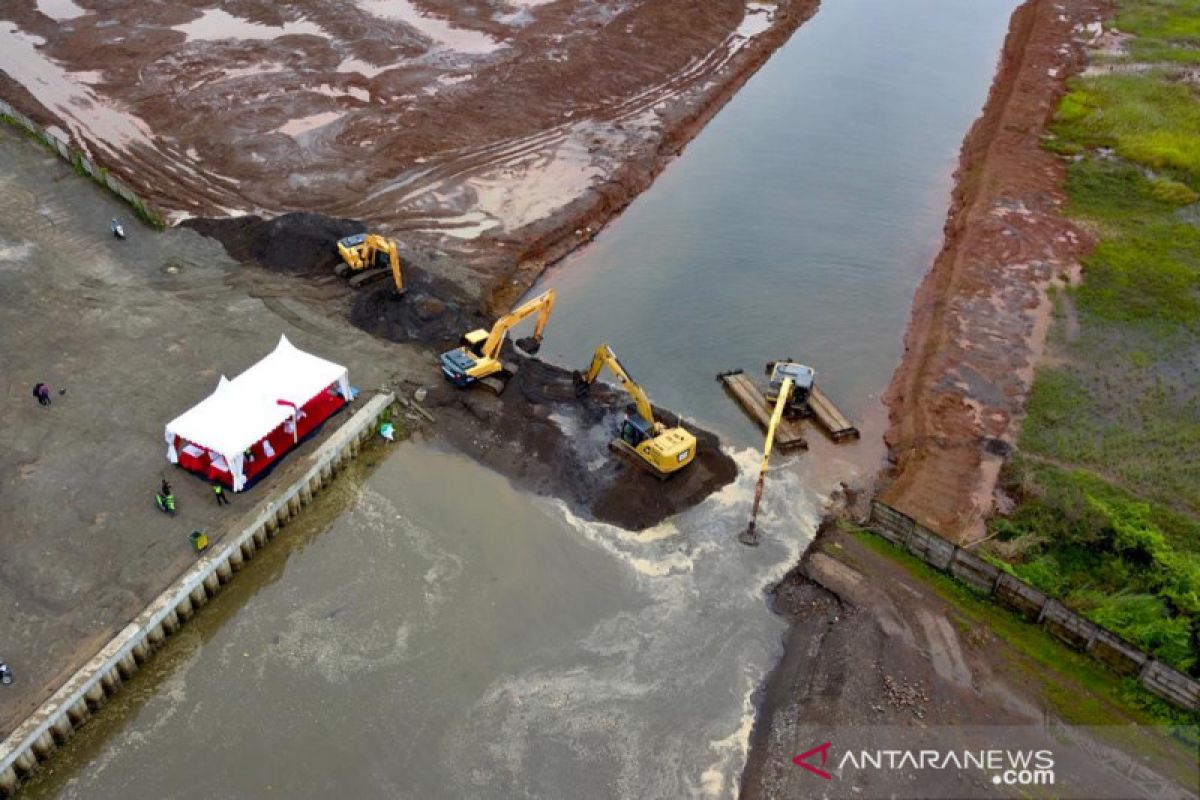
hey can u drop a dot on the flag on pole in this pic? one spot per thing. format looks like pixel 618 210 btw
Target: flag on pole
pixel 295 418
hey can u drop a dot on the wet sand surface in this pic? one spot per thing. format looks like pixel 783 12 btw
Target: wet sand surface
pixel 487 134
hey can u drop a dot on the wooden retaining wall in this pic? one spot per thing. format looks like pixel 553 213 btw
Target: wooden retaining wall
pixel 36 739
pixel 1035 606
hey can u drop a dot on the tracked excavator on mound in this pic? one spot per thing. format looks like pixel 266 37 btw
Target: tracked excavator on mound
pixel 478 359
pixel 651 444
pixel 367 256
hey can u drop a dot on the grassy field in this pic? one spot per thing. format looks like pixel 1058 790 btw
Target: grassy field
pixel 1106 477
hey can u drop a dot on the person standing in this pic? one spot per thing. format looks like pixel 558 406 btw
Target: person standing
pixel 219 491
pixel 42 392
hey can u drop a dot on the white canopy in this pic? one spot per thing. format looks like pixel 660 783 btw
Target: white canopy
pixel 243 410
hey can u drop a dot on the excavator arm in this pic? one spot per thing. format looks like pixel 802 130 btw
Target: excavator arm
pixel 541 305
pixel 750 535
pixel 605 357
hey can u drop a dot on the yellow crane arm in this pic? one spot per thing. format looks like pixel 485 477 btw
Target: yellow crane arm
pixel 541 305
pixel 750 536
pixel 393 252
pixel 605 357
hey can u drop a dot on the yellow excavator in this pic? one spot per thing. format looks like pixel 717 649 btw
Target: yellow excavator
pixel 790 384
pixel 368 253
pixel 662 450
pixel 478 359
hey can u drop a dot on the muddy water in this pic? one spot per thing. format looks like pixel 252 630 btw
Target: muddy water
pixel 435 633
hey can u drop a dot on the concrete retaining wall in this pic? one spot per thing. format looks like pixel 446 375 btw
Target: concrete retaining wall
pixel 81 162
pixel 35 739
pixel 1036 606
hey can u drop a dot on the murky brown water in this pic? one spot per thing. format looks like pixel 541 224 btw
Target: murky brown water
pixel 448 636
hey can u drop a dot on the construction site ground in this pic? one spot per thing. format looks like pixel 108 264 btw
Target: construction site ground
pixel 489 136
pixel 136 332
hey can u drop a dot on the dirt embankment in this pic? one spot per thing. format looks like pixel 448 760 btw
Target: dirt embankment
pixel 980 316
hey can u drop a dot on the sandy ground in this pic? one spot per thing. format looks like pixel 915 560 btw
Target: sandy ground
pixel 876 658
pixel 980 316
pixel 140 330
pixel 489 136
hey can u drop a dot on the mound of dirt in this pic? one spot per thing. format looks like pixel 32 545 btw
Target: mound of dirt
pixel 549 442
pixel 300 242
pixel 426 313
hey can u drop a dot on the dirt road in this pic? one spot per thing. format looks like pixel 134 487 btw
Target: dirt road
pixel 980 316
pixel 490 136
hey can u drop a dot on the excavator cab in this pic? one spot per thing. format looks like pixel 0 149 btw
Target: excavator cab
pixel 635 430
pixel 475 340
pixel 802 383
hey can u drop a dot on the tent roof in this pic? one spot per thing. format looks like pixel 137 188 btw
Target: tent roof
pixel 243 410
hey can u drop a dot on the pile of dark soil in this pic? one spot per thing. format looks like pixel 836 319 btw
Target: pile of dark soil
pixel 426 313
pixel 300 242
pixel 549 442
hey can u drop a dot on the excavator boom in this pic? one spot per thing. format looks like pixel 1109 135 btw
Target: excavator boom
pixel 750 535
pixel 541 305
pixel 605 357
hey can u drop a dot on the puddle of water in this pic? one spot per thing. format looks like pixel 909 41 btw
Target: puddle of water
pixel 66 93
pixel 302 125
pixel 216 23
pixel 61 10
pixel 759 17
pixel 439 31
pixel 364 68
pixel 525 190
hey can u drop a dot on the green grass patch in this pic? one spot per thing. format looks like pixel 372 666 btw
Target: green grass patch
pixel 1082 691
pixel 1146 119
pixel 1126 564
pixel 1166 30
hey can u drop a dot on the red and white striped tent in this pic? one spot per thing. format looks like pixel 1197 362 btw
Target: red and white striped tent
pixel 251 421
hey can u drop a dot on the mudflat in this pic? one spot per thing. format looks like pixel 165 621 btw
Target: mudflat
pixel 487 135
